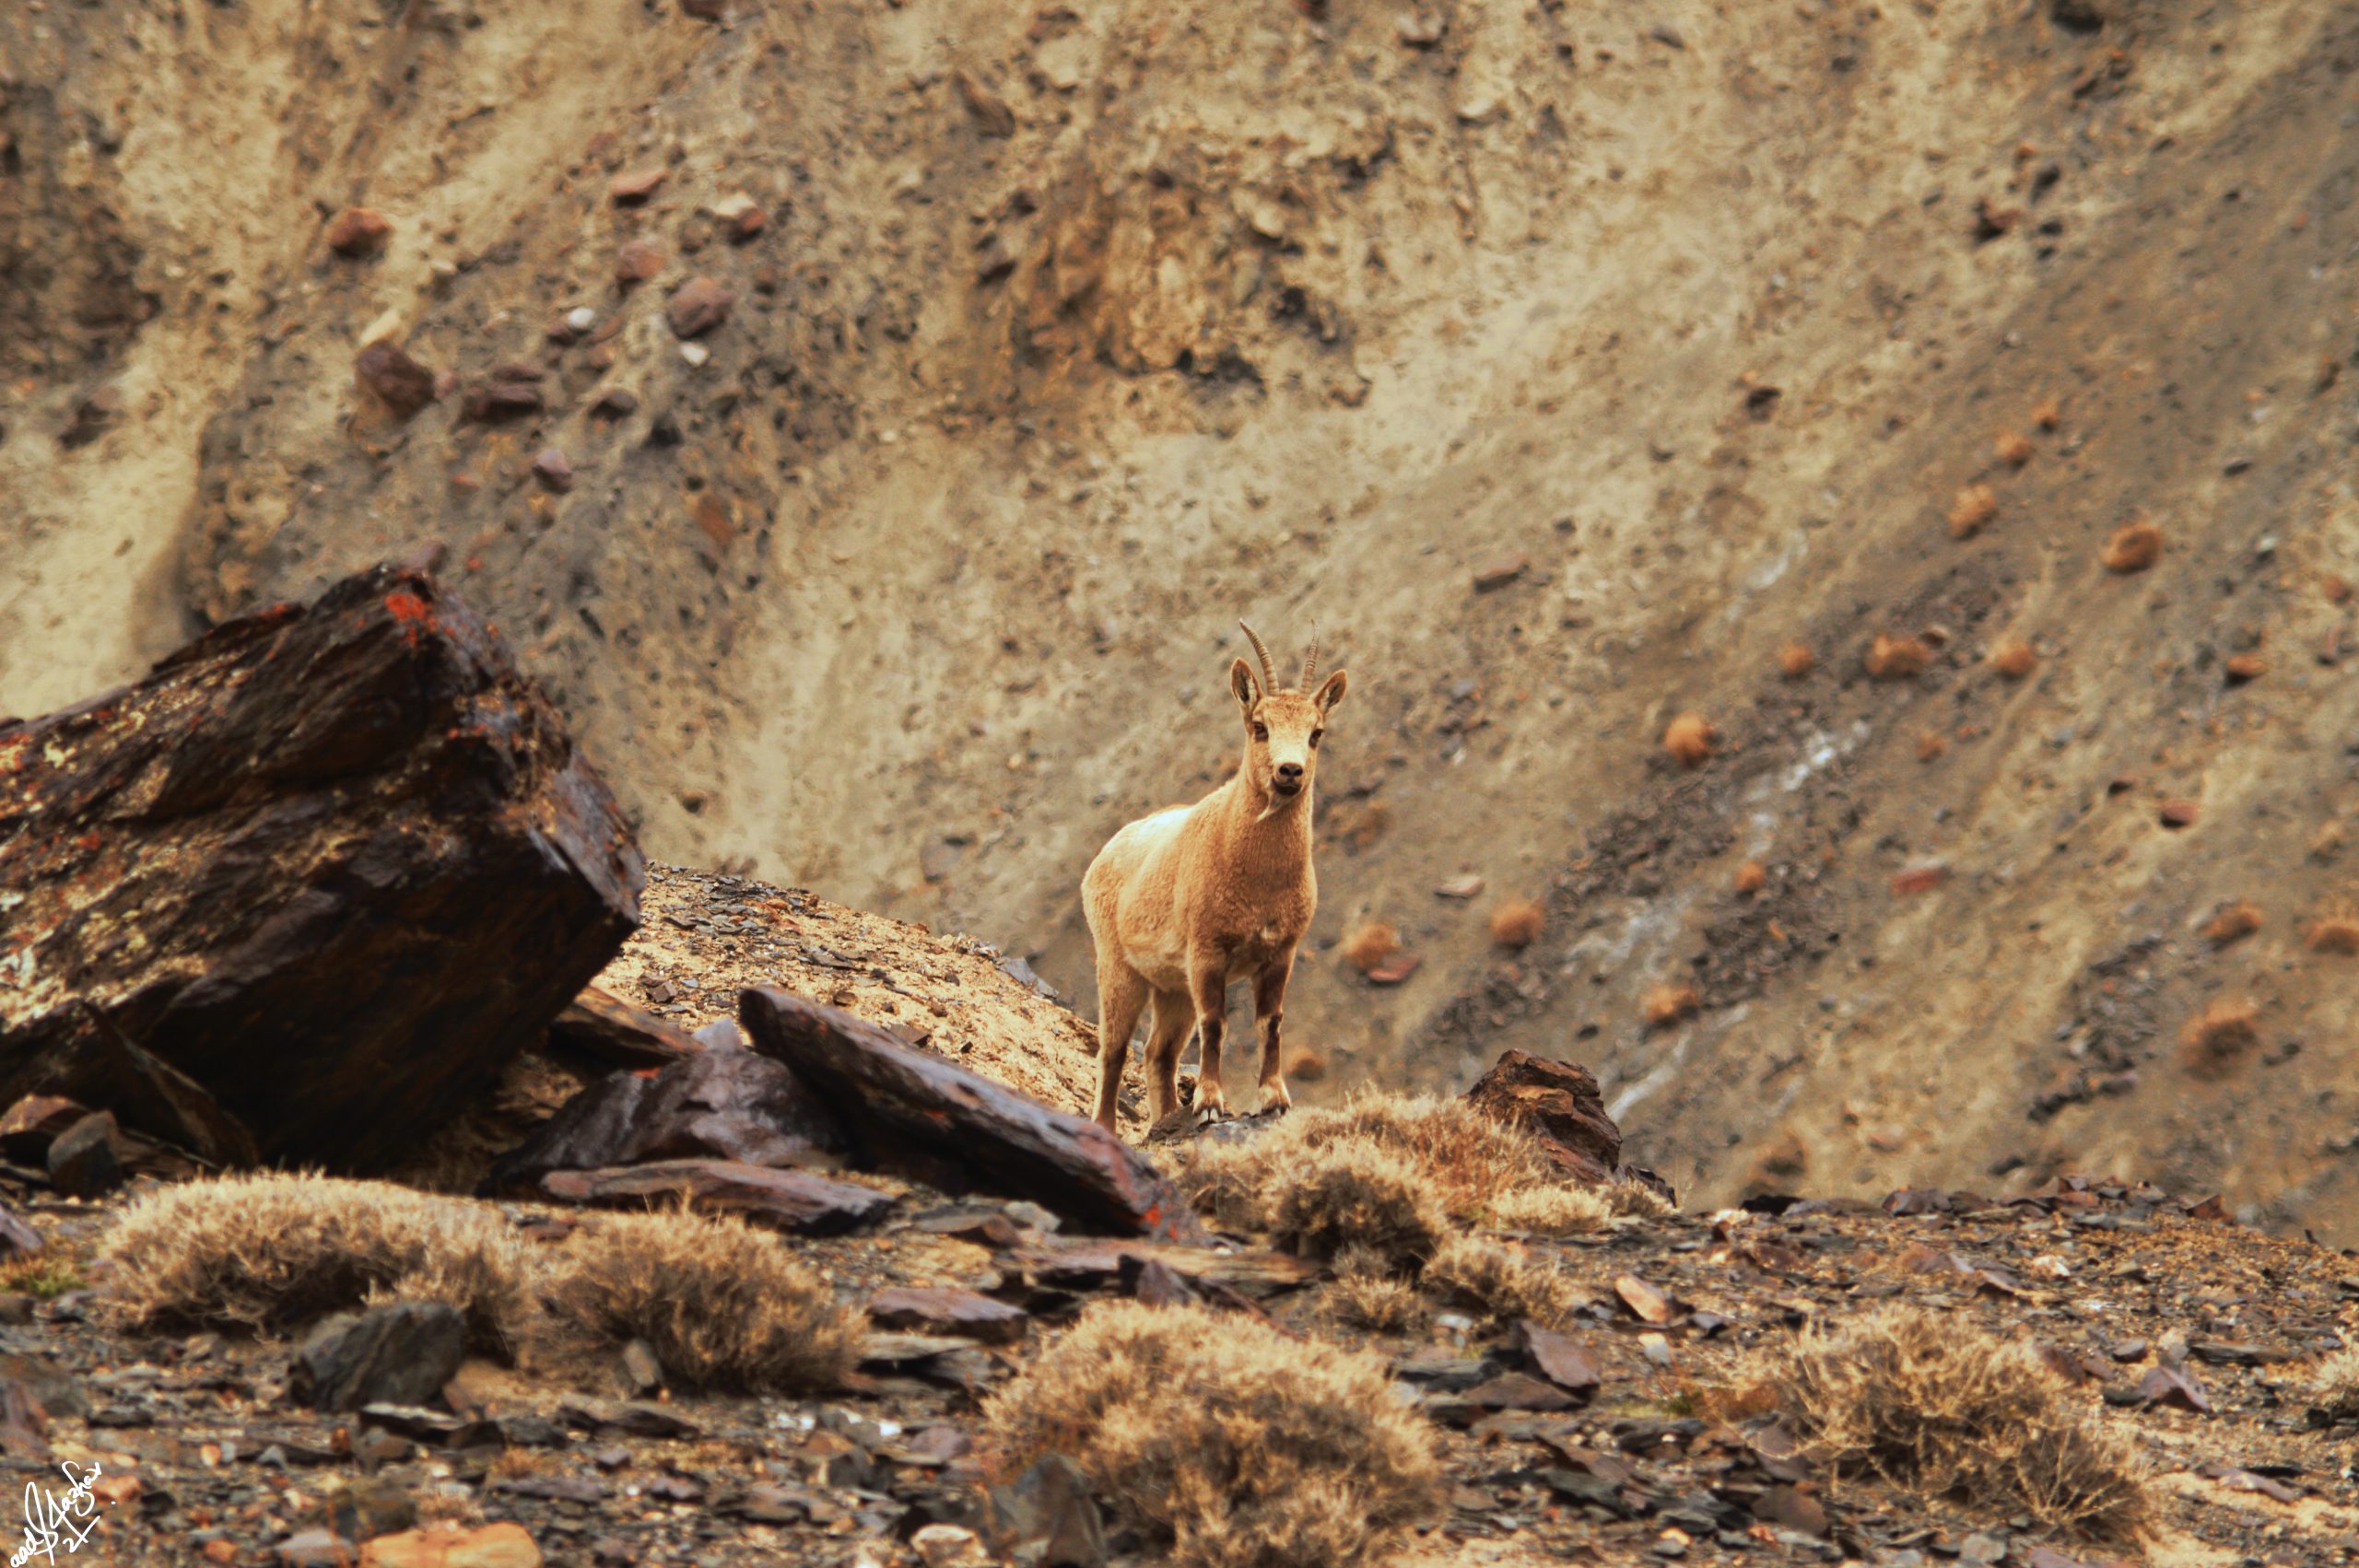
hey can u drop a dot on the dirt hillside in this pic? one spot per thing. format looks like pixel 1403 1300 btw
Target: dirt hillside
pixel 1563 365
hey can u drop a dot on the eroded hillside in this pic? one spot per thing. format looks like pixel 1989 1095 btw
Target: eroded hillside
pixel 1058 337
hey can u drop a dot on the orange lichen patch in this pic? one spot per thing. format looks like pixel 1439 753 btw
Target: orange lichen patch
pixel 1897 658
pixel 2012 448
pixel 1751 877
pixel 2246 667
pixel 1689 740
pixel 2223 1031
pixel 1796 659
pixel 1369 943
pixel 2013 658
pixel 405 607
pixel 1970 510
pixel 2133 548
pixel 2334 931
pixel 1518 922
pixel 2047 414
pixel 1666 1003
pixel 2233 922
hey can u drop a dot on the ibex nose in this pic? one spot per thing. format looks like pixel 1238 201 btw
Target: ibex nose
pixel 1290 771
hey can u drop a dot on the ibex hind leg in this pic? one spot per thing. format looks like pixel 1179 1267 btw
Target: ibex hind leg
pixel 1121 994
pixel 1167 1035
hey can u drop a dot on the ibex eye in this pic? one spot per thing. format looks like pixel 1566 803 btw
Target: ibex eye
pixel 1314 738
pixel 1260 731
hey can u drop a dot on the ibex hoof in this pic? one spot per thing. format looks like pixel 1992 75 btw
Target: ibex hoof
pixel 1277 1102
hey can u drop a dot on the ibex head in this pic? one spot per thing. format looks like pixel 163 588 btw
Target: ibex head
pixel 1283 724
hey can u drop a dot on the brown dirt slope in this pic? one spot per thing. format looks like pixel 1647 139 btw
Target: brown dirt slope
pixel 1070 333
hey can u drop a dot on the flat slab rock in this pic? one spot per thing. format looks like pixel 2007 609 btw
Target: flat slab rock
pixel 797 1202
pixel 300 892
pixel 932 1119
pixel 935 1310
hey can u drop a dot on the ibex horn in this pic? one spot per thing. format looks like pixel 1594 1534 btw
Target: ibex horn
pixel 1269 675
pixel 1310 660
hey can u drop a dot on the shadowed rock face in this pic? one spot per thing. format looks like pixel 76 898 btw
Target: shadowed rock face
pixel 313 879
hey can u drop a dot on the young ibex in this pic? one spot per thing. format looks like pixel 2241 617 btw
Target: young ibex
pixel 1183 902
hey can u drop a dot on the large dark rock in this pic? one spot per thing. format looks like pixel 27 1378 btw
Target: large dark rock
pixel 797 1202
pixel 401 1353
pixel 303 890
pixel 921 1114
pixel 723 1105
pixel 1558 1103
pixel 85 1161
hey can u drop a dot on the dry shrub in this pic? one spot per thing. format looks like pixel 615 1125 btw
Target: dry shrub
pixel 2133 548
pixel 1970 510
pixel 270 1251
pixel 1369 943
pixel 1897 658
pixel 2334 931
pixel 2047 413
pixel 2334 1385
pixel 1243 1447
pixel 2233 922
pixel 1501 1282
pixel 1689 739
pixel 2013 658
pixel 1550 1211
pixel 1666 1003
pixel 721 1304
pixel 1796 659
pixel 1354 1192
pixel 1368 1293
pixel 2011 447
pixel 1518 922
pixel 1926 1401
pixel 2223 1031
pixel 1626 1200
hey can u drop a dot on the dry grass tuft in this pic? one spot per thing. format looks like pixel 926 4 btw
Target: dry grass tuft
pixel 1368 1294
pixel 2011 447
pixel 1354 1192
pixel 1550 1211
pixel 1501 1282
pixel 2223 1031
pixel 1796 659
pixel 1518 922
pixel 2133 548
pixel 1665 1004
pixel 1970 510
pixel 1926 1401
pixel 1369 943
pixel 272 1251
pixel 2233 922
pixel 1689 739
pixel 2013 658
pixel 2337 930
pixel 2334 1385
pixel 1243 1447
pixel 1893 658
pixel 721 1304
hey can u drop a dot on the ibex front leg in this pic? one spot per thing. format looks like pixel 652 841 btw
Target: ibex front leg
pixel 1209 989
pixel 1269 1008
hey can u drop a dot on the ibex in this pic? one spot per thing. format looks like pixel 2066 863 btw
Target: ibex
pixel 1183 902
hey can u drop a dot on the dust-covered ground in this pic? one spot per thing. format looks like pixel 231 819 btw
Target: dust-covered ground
pixel 1563 366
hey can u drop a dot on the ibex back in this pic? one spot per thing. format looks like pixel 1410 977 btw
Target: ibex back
pixel 1183 902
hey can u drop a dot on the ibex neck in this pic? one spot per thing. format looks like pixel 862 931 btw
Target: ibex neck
pixel 1264 825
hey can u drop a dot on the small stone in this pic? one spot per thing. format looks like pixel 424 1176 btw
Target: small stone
pixel 1501 570
pixel 32 1124
pixel 630 190
pixel 401 1353
pixel 85 1162
pixel 1418 30
pixel 511 391
pixel 2177 813
pixel 92 416
pixel 1667 35
pixel 949 1546
pixel 503 1545
pixel 582 318
pixel 641 1371
pixel 699 305
pixel 315 1548
pixel 614 401
pixel 704 10
pixel 553 469
pixel 358 231
pixel 400 382
pixel 991 115
pixel 741 216
pixel 638 261
pixel 941 1310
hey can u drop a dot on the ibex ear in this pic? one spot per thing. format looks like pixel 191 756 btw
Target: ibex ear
pixel 1245 684
pixel 1331 691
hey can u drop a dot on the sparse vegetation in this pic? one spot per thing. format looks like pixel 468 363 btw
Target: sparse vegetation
pixel 1501 1282
pixel 2013 658
pixel 1243 1447
pixel 1369 1293
pixel 1352 1192
pixel 1926 1401
pixel 270 1251
pixel 1627 1199
pixel 721 1304
pixel 1689 739
pixel 1667 1002
pixel 1893 658
pixel 2334 1385
pixel 44 1276
pixel 1971 510
pixel 1796 659
pixel 2223 1031
pixel 2233 922
pixel 2335 931
pixel 1518 922
pixel 1368 944
pixel 2133 548
pixel 1550 1211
